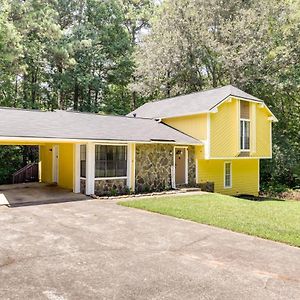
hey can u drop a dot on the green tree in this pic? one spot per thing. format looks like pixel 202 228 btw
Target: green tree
pixel 91 62
pixel 10 56
pixel 254 45
pixel 137 14
pixel 72 54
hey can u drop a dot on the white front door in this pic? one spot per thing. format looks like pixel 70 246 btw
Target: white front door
pixel 55 163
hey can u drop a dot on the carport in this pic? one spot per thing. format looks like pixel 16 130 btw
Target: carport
pixel 55 159
pixel 55 169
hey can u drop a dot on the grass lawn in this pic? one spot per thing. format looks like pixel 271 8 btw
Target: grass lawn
pixel 270 219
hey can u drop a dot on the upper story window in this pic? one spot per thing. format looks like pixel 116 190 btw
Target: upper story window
pixel 245 134
pixel 244 125
pixel 110 161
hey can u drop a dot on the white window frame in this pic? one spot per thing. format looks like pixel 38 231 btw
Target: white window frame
pixel 242 146
pixel 80 177
pixel 227 186
pixel 90 167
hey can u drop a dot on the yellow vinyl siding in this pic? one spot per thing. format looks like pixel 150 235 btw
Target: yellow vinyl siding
pixel 224 130
pixel 199 152
pixel 245 174
pixel 65 165
pixel 263 133
pixel 253 121
pixel 46 163
pixel 65 177
pixel 195 126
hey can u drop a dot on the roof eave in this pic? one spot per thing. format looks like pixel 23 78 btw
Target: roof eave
pixel 259 101
pixel 236 97
pixel 29 139
pixel 186 115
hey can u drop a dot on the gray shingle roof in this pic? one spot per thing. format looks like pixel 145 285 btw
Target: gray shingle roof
pixel 86 126
pixel 190 104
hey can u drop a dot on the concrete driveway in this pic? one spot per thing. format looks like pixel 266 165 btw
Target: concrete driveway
pixel 98 250
pixel 35 193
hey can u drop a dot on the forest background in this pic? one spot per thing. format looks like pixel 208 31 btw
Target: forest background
pixel 111 56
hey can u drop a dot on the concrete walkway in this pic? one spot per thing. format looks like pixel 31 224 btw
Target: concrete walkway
pixel 98 250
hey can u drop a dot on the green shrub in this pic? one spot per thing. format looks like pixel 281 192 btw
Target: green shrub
pixel 274 188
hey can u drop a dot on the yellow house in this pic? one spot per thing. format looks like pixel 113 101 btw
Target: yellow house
pixel 235 129
pixel 212 139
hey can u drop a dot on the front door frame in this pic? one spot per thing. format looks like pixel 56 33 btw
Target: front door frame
pixel 55 163
pixel 186 173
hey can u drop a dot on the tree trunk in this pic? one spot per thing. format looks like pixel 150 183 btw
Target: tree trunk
pixel 16 91
pixel 133 43
pixel 168 86
pixel 33 87
pixel 25 94
pixel 61 98
pixel 96 99
pixel 16 87
pixel 134 98
pixel 76 96
pixel 89 100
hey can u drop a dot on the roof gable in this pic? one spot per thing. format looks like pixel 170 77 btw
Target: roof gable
pixel 190 104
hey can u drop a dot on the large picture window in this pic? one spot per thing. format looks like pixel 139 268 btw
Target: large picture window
pixel 245 134
pixel 83 161
pixel 110 161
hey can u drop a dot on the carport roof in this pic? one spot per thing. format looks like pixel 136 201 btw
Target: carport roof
pixel 17 123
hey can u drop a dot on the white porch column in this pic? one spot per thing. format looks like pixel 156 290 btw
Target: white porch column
pixel 131 166
pixel 40 165
pixel 90 169
pixel 76 168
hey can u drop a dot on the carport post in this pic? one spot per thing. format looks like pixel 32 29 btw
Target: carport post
pixel 90 169
pixel 76 168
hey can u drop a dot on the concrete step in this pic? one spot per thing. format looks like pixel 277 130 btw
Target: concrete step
pixel 189 189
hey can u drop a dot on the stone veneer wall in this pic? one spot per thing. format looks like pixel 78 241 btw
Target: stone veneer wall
pixel 153 167
pixel 111 187
pixel 82 186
